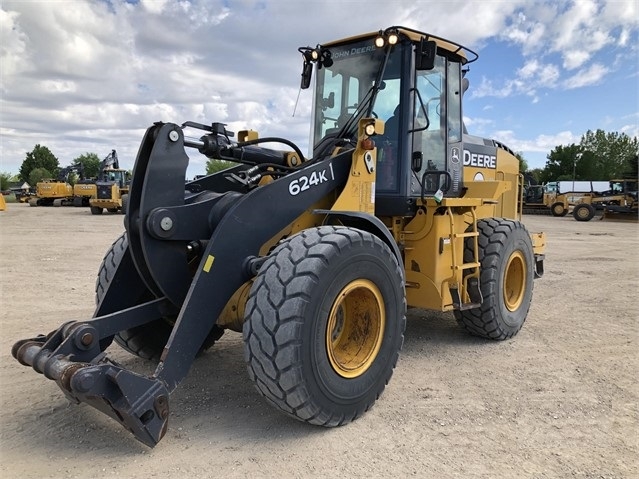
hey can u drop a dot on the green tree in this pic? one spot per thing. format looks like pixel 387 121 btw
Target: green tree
pixel 37 175
pixel 90 164
pixel 561 163
pixel 213 166
pixel 5 179
pixel 610 153
pixel 73 178
pixel 523 164
pixel 39 157
pixel 535 173
pixel 632 167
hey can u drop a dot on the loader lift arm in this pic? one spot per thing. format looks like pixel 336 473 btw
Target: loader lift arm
pixel 162 227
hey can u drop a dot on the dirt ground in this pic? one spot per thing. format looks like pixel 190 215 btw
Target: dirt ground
pixel 558 400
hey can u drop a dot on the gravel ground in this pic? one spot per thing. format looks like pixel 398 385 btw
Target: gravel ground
pixel 558 400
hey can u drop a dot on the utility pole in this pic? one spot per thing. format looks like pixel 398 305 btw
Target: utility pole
pixel 574 169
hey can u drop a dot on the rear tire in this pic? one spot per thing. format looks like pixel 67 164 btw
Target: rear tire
pixel 583 212
pixel 506 279
pixel 148 340
pixel 324 324
pixel 96 210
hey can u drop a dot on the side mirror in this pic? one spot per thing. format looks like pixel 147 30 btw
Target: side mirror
pixel 425 55
pixel 307 72
pixel 330 101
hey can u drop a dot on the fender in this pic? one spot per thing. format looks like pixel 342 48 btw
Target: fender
pixel 370 223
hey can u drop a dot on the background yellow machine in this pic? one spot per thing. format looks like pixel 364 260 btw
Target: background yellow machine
pixel 54 192
pixel 314 260
pixel 111 188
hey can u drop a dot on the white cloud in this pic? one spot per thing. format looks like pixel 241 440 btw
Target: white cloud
pixel 577 31
pixel 93 77
pixel 632 130
pixel 529 78
pixel 541 144
pixel 154 6
pixel 586 77
pixel 527 32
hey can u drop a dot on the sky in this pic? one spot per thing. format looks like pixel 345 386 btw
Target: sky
pixel 91 76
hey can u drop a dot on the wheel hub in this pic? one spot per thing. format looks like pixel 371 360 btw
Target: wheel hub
pixel 355 328
pixel 515 281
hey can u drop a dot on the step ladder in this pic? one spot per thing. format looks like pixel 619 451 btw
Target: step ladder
pixel 464 283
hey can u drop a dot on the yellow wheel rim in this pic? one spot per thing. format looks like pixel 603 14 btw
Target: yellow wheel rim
pixel 515 281
pixel 355 328
pixel 583 212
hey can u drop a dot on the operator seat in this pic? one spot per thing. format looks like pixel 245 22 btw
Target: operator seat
pixel 391 127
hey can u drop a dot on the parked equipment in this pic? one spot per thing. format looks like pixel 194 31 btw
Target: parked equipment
pixel 314 260
pixel 24 193
pixel 539 201
pixel 112 187
pixel 83 191
pixel 56 192
pixel 558 197
pixel 619 201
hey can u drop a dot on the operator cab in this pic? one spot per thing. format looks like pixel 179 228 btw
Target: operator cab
pixel 412 81
pixel 120 177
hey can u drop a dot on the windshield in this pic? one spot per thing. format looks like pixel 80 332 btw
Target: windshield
pixel 346 87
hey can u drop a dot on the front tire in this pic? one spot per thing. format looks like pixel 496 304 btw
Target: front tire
pixel 147 340
pixel 506 279
pixel 557 209
pixel 125 203
pixel 324 324
pixel 96 210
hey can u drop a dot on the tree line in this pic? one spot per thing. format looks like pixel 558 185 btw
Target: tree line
pixel 41 164
pixel 599 156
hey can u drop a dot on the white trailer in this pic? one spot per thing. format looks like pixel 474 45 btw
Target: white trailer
pixel 581 186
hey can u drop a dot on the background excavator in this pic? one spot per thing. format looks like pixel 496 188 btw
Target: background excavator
pixel 314 260
pixel 55 192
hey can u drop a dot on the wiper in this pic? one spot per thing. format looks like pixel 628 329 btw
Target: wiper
pixel 347 132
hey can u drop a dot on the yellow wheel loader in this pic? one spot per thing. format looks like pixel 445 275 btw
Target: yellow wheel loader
pixel 314 260
pixel 111 188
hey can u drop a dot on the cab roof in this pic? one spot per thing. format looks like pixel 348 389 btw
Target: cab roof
pixel 466 55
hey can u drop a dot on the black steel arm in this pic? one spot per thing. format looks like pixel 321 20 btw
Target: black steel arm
pixel 154 278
